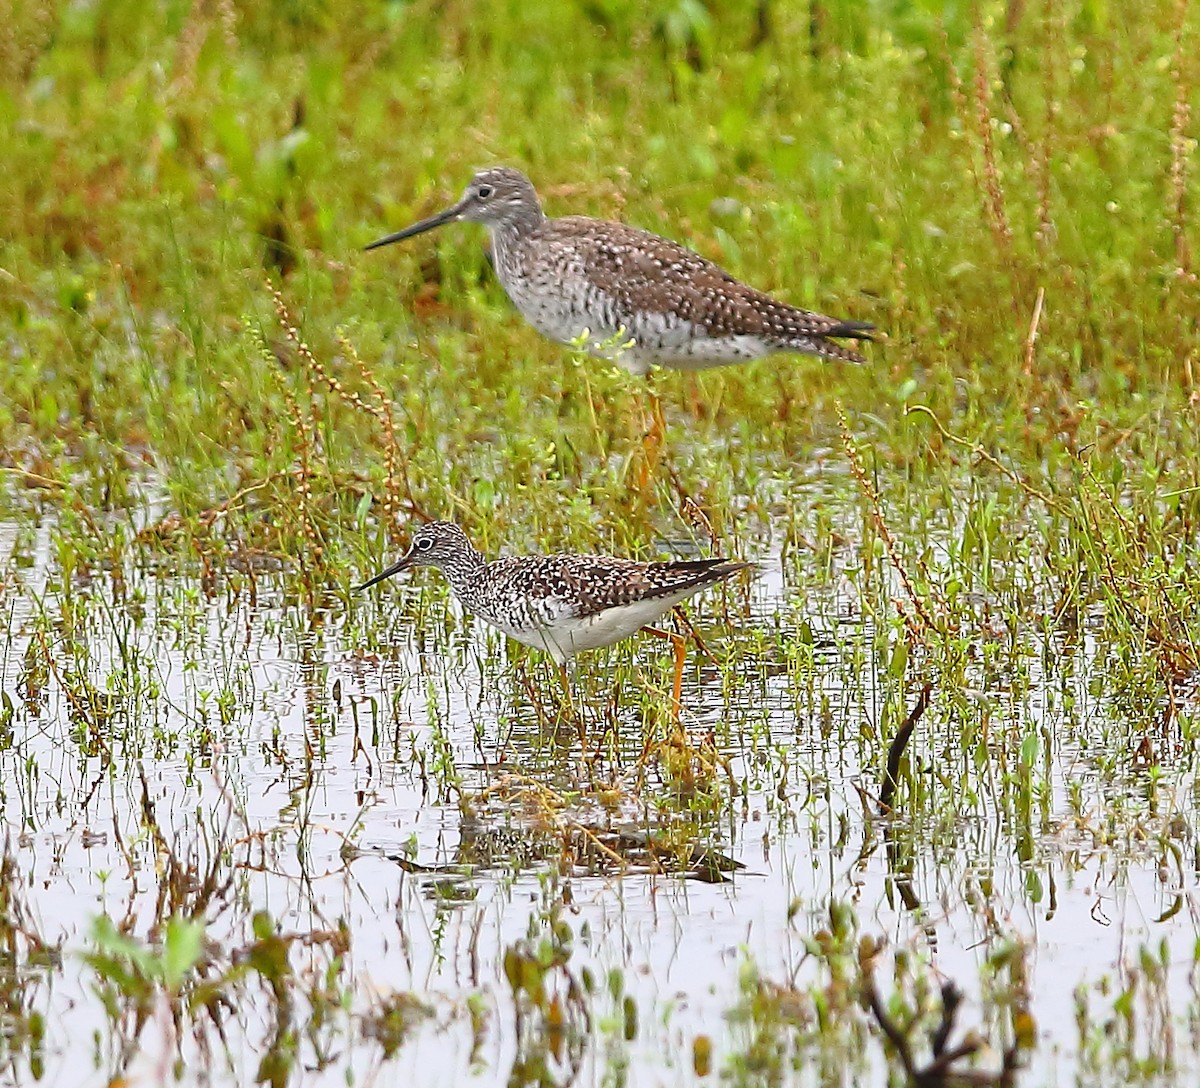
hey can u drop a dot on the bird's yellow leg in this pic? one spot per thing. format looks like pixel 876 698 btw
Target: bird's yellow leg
pixel 679 644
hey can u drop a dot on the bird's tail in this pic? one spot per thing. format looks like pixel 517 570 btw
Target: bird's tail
pixel 827 349
pixel 819 338
pixel 852 330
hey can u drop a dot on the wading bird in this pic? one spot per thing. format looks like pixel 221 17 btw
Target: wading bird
pixel 563 604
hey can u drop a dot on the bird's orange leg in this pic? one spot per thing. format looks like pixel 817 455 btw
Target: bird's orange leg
pixel 567 713
pixel 654 435
pixel 679 644
pixel 681 617
pixel 565 680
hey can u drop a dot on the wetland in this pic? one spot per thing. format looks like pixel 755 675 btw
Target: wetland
pixel 928 814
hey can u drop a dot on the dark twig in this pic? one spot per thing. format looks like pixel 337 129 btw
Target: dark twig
pixel 939 1072
pixel 896 750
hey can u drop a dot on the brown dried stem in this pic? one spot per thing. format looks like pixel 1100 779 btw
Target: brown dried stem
pixel 303 431
pixel 393 454
pixel 889 541
pixel 990 458
pixel 994 205
pixel 1182 149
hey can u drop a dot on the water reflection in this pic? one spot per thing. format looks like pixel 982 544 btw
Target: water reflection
pixel 396 782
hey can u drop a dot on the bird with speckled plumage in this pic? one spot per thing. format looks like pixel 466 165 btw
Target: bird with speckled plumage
pixel 563 604
pixel 575 274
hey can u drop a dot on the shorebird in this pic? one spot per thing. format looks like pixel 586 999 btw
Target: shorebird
pixel 563 604
pixel 576 276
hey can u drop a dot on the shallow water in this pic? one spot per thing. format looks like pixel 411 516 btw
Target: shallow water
pixel 379 769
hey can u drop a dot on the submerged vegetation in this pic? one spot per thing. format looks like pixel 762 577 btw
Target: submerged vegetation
pixel 261 827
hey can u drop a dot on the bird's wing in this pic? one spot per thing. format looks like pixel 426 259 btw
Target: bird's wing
pixel 580 586
pixel 643 270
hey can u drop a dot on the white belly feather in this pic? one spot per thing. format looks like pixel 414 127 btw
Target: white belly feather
pixel 656 339
pixel 562 634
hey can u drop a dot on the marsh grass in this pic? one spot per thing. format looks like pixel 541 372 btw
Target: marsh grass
pixel 217 415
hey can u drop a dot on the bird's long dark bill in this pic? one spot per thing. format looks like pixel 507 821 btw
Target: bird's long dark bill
pixel 419 228
pixel 395 568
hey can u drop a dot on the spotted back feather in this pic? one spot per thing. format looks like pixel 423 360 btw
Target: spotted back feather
pixel 591 584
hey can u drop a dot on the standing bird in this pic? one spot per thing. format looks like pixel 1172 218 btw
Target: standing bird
pixel 617 283
pixel 563 604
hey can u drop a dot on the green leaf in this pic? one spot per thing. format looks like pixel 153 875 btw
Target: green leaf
pixel 113 945
pixel 185 942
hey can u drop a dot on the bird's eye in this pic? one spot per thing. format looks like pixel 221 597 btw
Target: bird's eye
pixel 424 543
pixel 484 191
